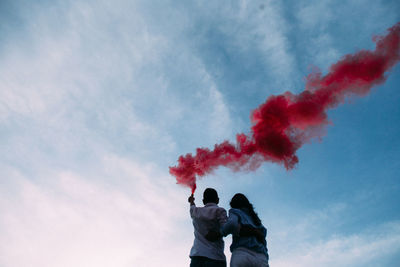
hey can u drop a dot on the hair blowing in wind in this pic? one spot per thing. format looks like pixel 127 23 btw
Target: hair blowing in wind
pixel 283 123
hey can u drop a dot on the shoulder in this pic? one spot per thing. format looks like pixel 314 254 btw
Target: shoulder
pixel 221 209
pixel 194 211
pixel 236 212
pixel 241 215
pixel 213 207
pixel 218 210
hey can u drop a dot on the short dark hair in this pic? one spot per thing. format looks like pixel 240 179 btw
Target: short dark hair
pixel 210 195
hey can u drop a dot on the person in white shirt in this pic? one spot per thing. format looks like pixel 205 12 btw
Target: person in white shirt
pixel 211 217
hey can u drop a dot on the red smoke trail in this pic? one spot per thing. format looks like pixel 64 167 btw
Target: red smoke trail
pixel 285 122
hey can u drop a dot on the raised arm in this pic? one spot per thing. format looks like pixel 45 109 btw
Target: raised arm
pixel 191 200
pixel 193 208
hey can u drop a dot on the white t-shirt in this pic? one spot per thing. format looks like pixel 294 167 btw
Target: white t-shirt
pixel 209 217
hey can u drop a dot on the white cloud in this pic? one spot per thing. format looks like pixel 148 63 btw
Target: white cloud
pixel 87 86
pixel 114 80
pixel 93 77
pixel 314 19
pixel 365 248
pixel 139 219
pixel 317 14
pixel 329 30
pixel 220 122
pixel 272 28
pixel 325 238
pixel 262 32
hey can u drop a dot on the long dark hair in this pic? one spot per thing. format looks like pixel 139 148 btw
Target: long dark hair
pixel 240 201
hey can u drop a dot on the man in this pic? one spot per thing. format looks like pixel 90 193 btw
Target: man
pixel 205 253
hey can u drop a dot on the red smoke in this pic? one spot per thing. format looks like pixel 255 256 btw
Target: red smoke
pixel 285 122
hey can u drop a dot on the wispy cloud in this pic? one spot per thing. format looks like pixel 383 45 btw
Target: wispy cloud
pixel 97 98
pixel 87 112
pixel 69 220
pixel 366 248
pixel 318 22
pixel 257 35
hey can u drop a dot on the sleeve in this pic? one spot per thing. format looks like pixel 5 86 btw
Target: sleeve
pixel 264 231
pixel 221 216
pixel 194 211
pixel 231 226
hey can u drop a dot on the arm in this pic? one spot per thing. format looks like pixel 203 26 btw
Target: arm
pixel 221 216
pixel 191 200
pixel 232 226
pixel 259 234
pixel 213 235
pixel 193 209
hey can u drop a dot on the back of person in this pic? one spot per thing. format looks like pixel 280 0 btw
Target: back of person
pixel 251 241
pixel 206 253
pixel 248 250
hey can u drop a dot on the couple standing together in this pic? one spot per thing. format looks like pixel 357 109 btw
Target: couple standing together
pixel 211 224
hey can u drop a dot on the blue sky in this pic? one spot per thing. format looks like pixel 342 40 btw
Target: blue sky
pixel 98 98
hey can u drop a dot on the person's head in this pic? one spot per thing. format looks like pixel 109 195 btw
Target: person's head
pixel 240 201
pixel 210 195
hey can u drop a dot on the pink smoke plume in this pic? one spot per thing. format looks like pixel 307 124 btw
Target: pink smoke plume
pixel 285 122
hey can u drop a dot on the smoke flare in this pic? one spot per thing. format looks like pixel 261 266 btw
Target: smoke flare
pixel 285 122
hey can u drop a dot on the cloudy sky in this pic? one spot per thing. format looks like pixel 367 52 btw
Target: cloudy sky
pixel 98 98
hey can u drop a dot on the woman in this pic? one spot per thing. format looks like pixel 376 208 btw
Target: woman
pixel 249 247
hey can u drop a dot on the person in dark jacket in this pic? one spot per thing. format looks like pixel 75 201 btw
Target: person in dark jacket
pixel 249 245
